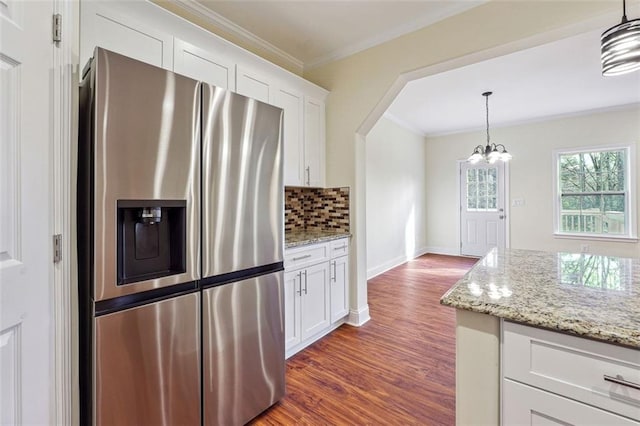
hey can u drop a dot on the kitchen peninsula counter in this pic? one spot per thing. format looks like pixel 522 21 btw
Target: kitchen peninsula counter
pixel 304 237
pixel 587 295
pixel 580 294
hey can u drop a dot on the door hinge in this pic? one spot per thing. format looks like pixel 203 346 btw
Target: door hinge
pixel 57 248
pixel 57 28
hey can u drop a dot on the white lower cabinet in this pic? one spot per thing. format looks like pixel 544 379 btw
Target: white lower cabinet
pixel 526 405
pixel 554 378
pixel 316 292
pixel 314 299
pixel 339 288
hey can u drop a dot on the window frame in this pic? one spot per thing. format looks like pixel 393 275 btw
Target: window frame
pixel 630 194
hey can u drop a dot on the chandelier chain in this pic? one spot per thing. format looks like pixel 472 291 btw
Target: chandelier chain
pixel 487 103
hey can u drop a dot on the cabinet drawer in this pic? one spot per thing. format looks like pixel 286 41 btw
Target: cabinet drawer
pixel 524 405
pixel 300 257
pixel 573 367
pixel 339 247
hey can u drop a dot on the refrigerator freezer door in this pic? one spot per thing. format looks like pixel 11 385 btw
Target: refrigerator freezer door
pixel 147 368
pixel 146 147
pixel 242 189
pixel 243 349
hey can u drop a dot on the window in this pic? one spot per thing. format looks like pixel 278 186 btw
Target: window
pixel 594 193
pixel 482 189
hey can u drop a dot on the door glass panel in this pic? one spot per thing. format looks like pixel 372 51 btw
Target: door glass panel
pixel 482 189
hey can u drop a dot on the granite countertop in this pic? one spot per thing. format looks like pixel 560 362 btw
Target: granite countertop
pixel 582 294
pixel 300 238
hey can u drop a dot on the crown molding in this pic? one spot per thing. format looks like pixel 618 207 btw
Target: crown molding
pixel 409 27
pixel 220 21
pixel 404 124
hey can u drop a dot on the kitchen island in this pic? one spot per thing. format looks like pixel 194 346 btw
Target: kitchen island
pixel 580 294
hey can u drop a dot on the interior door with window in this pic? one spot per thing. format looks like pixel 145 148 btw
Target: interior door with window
pixel 482 208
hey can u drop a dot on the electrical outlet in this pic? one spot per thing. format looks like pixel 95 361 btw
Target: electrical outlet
pixel 584 248
pixel 517 202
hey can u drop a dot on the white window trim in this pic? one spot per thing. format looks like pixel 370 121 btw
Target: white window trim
pixel 630 182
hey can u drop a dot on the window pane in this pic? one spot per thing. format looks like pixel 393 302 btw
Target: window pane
pixel 570 214
pixel 570 173
pixel 614 217
pixel 592 213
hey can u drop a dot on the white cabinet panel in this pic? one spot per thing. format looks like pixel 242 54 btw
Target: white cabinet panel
pixel 102 26
pixel 573 367
pixel 525 405
pixel 292 290
pixel 293 105
pixel 339 288
pixel 253 85
pixel 203 65
pixel 314 142
pixel 315 299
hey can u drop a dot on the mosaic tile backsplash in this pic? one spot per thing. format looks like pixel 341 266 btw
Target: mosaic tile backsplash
pixel 325 209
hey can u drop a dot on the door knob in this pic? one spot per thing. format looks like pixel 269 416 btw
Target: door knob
pixel 502 216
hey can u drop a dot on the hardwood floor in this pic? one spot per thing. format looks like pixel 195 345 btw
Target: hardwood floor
pixel 399 368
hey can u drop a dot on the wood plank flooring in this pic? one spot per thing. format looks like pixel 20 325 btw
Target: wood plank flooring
pixel 399 368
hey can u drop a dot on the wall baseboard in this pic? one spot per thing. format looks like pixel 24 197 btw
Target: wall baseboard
pixel 358 317
pixel 390 264
pixel 450 251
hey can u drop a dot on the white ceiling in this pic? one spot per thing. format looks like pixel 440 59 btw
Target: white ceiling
pixel 555 79
pixel 314 32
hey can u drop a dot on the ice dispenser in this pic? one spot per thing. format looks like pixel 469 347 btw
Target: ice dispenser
pixel 151 239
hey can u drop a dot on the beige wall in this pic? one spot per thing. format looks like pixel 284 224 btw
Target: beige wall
pixel 363 85
pixel 396 192
pixel 531 174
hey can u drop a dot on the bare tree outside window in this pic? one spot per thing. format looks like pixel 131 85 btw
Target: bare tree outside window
pixel 593 193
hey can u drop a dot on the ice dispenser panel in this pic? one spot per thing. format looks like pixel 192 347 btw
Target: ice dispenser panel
pixel 151 239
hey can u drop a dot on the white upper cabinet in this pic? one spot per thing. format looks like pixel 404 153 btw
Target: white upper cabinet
pixel 203 65
pixel 254 85
pixel 314 142
pixel 108 28
pixel 293 135
pixel 147 32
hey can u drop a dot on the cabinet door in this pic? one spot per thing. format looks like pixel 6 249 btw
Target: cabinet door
pixel 292 322
pixel 339 288
pixel 293 105
pixel 315 299
pixel 253 85
pixel 525 405
pixel 203 65
pixel 104 27
pixel 314 142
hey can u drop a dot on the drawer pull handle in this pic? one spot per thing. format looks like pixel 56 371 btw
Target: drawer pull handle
pixel 620 381
pixel 306 256
pixel 340 248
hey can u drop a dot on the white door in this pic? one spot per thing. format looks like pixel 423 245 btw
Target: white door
pixel 339 288
pixel 292 291
pixel 315 299
pixel 26 325
pixel 253 85
pixel 313 142
pixel 203 65
pixel 482 208
pixel 293 105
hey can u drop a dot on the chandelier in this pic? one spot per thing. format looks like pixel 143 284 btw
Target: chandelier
pixel 491 152
pixel 621 46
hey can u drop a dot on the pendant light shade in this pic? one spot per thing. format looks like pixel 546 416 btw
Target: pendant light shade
pixel 491 152
pixel 621 46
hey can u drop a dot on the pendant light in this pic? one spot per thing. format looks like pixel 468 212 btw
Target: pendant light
pixel 621 46
pixel 492 152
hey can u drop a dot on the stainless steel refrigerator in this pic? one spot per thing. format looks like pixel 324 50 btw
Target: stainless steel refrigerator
pixel 180 247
